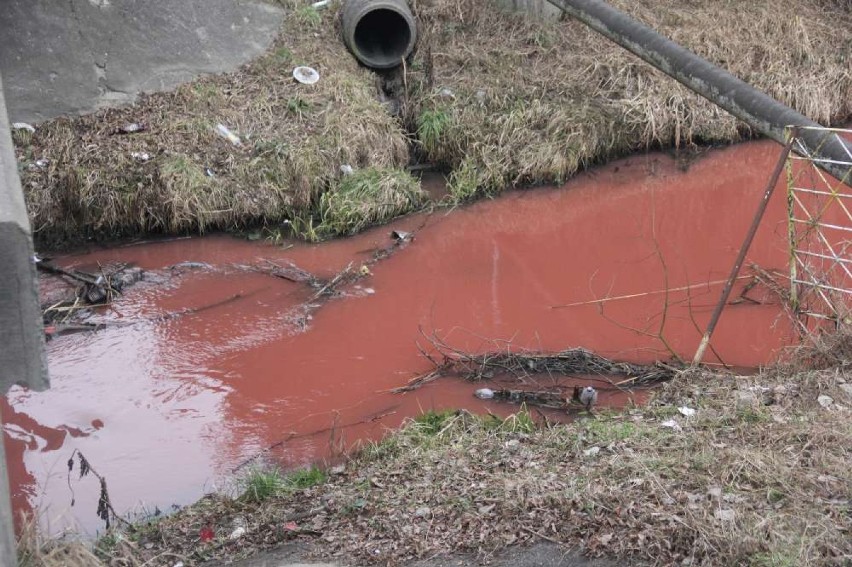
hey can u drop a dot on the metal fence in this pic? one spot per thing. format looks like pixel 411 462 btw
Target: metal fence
pixel 819 213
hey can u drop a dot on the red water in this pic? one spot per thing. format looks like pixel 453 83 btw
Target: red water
pixel 166 406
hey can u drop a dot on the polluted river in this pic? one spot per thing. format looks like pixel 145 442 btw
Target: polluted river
pixel 232 353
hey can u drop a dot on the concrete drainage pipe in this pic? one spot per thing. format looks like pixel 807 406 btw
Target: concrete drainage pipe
pixel 379 33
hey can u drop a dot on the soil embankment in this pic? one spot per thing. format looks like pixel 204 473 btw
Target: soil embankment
pixel 497 99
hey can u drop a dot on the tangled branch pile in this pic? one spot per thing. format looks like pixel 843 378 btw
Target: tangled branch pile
pixel 520 365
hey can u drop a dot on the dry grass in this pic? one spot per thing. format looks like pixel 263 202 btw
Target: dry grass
pixel 758 476
pixel 368 197
pixel 523 102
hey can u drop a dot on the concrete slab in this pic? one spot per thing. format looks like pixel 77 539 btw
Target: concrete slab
pixel 77 56
pixel 22 346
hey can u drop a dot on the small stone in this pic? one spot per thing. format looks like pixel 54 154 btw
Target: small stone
pixel 825 401
pixel 592 451
pixel 423 512
pixel 725 514
pixel 686 411
pixel 746 399
pixel 714 492
pixel 338 469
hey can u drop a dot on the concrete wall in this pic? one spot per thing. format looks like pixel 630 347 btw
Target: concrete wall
pixel 21 345
pixel 21 335
pixel 76 56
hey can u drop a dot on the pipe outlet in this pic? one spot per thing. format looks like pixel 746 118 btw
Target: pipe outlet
pixel 379 33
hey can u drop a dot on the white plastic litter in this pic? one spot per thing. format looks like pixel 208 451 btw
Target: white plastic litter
pixel 484 393
pixel 321 4
pixel 132 128
pixel 346 169
pixel 23 126
pixel 446 92
pixel 140 156
pixel 672 424
pixel 223 131
pixel 686 411
pixel 306 75
pixel 825 401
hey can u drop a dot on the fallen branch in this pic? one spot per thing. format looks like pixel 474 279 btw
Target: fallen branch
pixel 576 361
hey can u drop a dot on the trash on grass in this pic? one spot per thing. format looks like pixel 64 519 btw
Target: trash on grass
pixel 140 156
pixel 592 451
pixel 686 411
pixel 672 424
pixel 346 169
pixel 306 75
pixel 825 401
pixel 446 93
pixel 23 126
pixel 131 128
pixel 223 131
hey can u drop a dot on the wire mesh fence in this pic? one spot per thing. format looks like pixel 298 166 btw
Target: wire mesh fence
pixel 819 214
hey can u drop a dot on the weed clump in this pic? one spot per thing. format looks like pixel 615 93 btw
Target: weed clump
pixel 262 484
pixel 367 197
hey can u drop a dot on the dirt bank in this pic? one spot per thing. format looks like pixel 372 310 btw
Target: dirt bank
pixel 496 98
pixel 718 470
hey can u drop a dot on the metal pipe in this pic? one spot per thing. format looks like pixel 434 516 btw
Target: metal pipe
pixel 758 110
pixel 379 33
pixel 738 263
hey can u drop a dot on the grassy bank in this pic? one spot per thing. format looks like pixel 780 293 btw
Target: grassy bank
pixel 757 476
pixel 496 98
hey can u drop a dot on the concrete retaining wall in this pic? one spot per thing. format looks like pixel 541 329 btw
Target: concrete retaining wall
pixel 21 346
pixel 76 56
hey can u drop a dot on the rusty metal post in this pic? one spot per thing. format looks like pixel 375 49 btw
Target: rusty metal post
pixel 755 223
